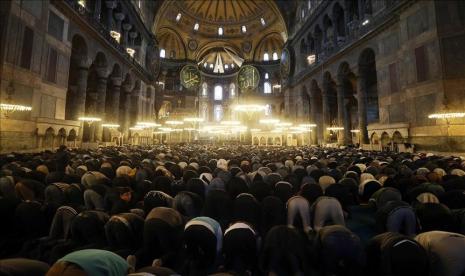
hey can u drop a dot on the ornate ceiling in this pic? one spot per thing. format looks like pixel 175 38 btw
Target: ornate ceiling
pixel 188 29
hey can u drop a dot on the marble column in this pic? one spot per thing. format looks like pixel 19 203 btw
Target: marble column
pixel 110 6
pixel 81 89
pixel 115 97
pixel 124 117
pixel 135 104
pixel 362 108
pixel 346 22
pixel 342 112
pixel 317 133
pixel 326 112
pixel 126 28
pixel 102 74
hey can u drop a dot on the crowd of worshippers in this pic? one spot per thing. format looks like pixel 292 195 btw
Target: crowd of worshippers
pixel 231 210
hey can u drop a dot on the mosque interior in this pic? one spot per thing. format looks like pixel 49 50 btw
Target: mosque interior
pixel 382 75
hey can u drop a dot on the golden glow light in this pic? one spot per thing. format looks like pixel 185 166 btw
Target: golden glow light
pixel 193 119
pixel 335 128
pixel 115 35
pixel 307 125
pixel 14 107
pixel 250 107
pixel 230 123
pixel 82 3
pixel 167 129
pixel 130 51
pixel 147 124
pixel 110 125
pixel 189 129
pixel 284 124
pixel 255 130
pixel 89 119
pixel 269 121
pixel 355 130
pixel 311 59
pixel 136 128
pixel 174 122
pixel 446 115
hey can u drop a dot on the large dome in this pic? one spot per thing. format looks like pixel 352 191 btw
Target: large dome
pixel 238 24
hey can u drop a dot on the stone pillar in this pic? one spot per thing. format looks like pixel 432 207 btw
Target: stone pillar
pixel 343 116
pixel 326 112
pixel 317 134
pixel 335 30
pixel 132 37
pixel 124 117
pixel 81 89
pixel 126 28
pixel 101 90
pixel 115 96
pixel 97 9
pixel 362 108
pixel 135 96
pixel 110 6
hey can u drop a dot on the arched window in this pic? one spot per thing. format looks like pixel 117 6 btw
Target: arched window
pixel 218 93
pixel 196 26
pixel 218 112
pixel 309 4
pixel 244 29
pixel 302 13
pixel 178 17
pixel 267 87
pixel 220 31
pixel 266 57
pixel 232 90
pixel 275 56
pixel 162 53
pixel 266 76
pixel 204 89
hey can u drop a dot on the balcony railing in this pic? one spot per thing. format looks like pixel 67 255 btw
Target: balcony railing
pixel 356 31
pixel 89 17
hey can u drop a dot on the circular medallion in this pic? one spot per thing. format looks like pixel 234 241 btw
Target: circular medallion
pixel 248 77
pixel 192 44
pixel 190 76
pixel 285 63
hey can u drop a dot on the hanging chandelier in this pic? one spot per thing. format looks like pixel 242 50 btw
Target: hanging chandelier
pixel 8 107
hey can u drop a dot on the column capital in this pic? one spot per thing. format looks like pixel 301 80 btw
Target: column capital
pixel 102 72
pixel 133 34
pixel 127 26
pixel 116 81
pixel 119 16
pixel 110 4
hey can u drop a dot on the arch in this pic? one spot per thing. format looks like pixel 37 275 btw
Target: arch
pixel 374 139
pixel 385 139
pixel 269 141
pixel 61 136
pixel 271 42
pixel 255 141
pixel 277 141
pixel 262 141
pixel 49 138
pixel 204 89
pixel 100 60
pixel 72 135
pixel 165 109
pixel 397 137
pixel 170 40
